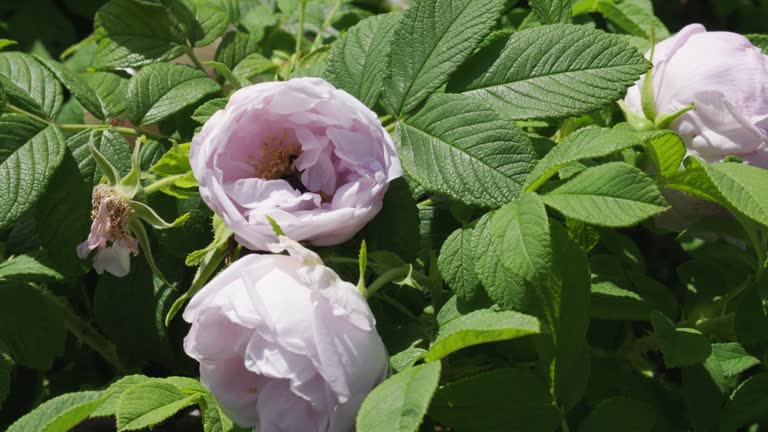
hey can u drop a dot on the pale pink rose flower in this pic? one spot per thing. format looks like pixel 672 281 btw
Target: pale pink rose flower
pixel 284 344
pixel 109 236
pixel 310 156
pixel 726 77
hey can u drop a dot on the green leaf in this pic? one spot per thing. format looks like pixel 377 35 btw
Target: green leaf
pixel 203 20
pixel 30 152
pixel 464 149
pixel 586 143
pixel 501 400
pixel 634 416
pixel 173 162
pixel 400 402
pixel 703 396
pixel 208 109
pixel 24 268
pixel 733 358
pixel 550 71
pixel 396 227
pixel 552 11
pixel 6 43
pixel 507 288
pixel 743 187
pixel 748 403
pixel 614 194
pixel 160 90
pixel 115 149
pixel 252 65
pixel 29 85
pixel 76 85
pixel 235 47
pixel 150 403
pixel 431 40
pixel 137 33
pixel 760 41
pixel 611 302
pixel 111 90
pixel 358 60
pixel 457 264
pixel 74 415
pixel 522 230
pixel 31 328
pixel 667 151
pixel 563 306
pixel 680 346
pixel 108 408
pixel 633 19
pixel 478 327
pixel 49 411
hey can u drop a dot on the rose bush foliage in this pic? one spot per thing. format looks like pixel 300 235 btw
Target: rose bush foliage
pixel 333 215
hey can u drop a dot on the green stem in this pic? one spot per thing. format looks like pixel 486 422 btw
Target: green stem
pixel 82 330
pixel 18 110
pixel 195 60
pixel 163 182
pixel 564 426
pixel 397 305
pixel 425 203
pixel 319 38
pixel 387 277
pixel 299 37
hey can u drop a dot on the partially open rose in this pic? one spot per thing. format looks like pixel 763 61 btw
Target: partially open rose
pixel 308 155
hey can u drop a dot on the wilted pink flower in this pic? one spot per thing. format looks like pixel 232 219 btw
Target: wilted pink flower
pixel 726 77
pixel 284 344
pixel 310 156
pixel 109 234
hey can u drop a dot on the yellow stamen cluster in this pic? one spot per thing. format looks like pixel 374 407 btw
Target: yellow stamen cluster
pixel 276 156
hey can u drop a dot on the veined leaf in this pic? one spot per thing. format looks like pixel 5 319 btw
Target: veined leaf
pixel 358 60
pixel 743 187
pixel 137 33
pixel 400 402
pixel 433 38
pixel 760 41
pixel 748 403
pixel 49 411
pixel 160 90
pixel 150 403
pixel 82 92
pixel 586 143
pixel 667 151
pixel 614 194
pixel 236 46
pixel 550 71
pixel 29 85
pixel 478 327
pixel 24 268
pixel 203 20
pixel 552 11
pixel 464 149
pixel 30 152
pixel 208 109
pixel 680 346
pixel 111 90
pixel 633 18
pixel 457 262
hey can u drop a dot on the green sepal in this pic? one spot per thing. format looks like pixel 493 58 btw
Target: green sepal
pixel 130 184
pixel 148 215
pixel 638 122
pixel 362 262
pixel 221 235
pixel 109 171
pixel 663 121
pixel 275 226
pixel 208 265
pixel 138 231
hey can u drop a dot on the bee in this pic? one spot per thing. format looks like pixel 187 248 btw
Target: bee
pixel 294 177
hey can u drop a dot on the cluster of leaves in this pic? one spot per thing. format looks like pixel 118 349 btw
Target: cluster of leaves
pixel 516 273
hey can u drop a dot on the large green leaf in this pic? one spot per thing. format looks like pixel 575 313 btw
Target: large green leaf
pixel 680 346
pixel 29 154
pixel 76 85
pixel 432 39
pixel 400 402
pixel 457 262
pixel 634 19
pixel 586 143
pixel 743 187
pixel 24 268
pixel 462 148
pixel 109 143
pixel 203 20
pixel 108 408
pixel 30 327
pixel 358 60
pixel 667 151
pixel 42 416
pixel 748 403
pixel 150 403
pixel 478 327
pixel 508 400
pixel 552 11
pixel 29 85
pixel 633 415
pixel 733 358
pixel 160 90
pixel 111 90
pixel 236 46
pixel 70 418
pixel 614 194
pixel 550 71
pixel 137 33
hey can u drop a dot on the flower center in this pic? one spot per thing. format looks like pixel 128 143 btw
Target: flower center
pixel 117 210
